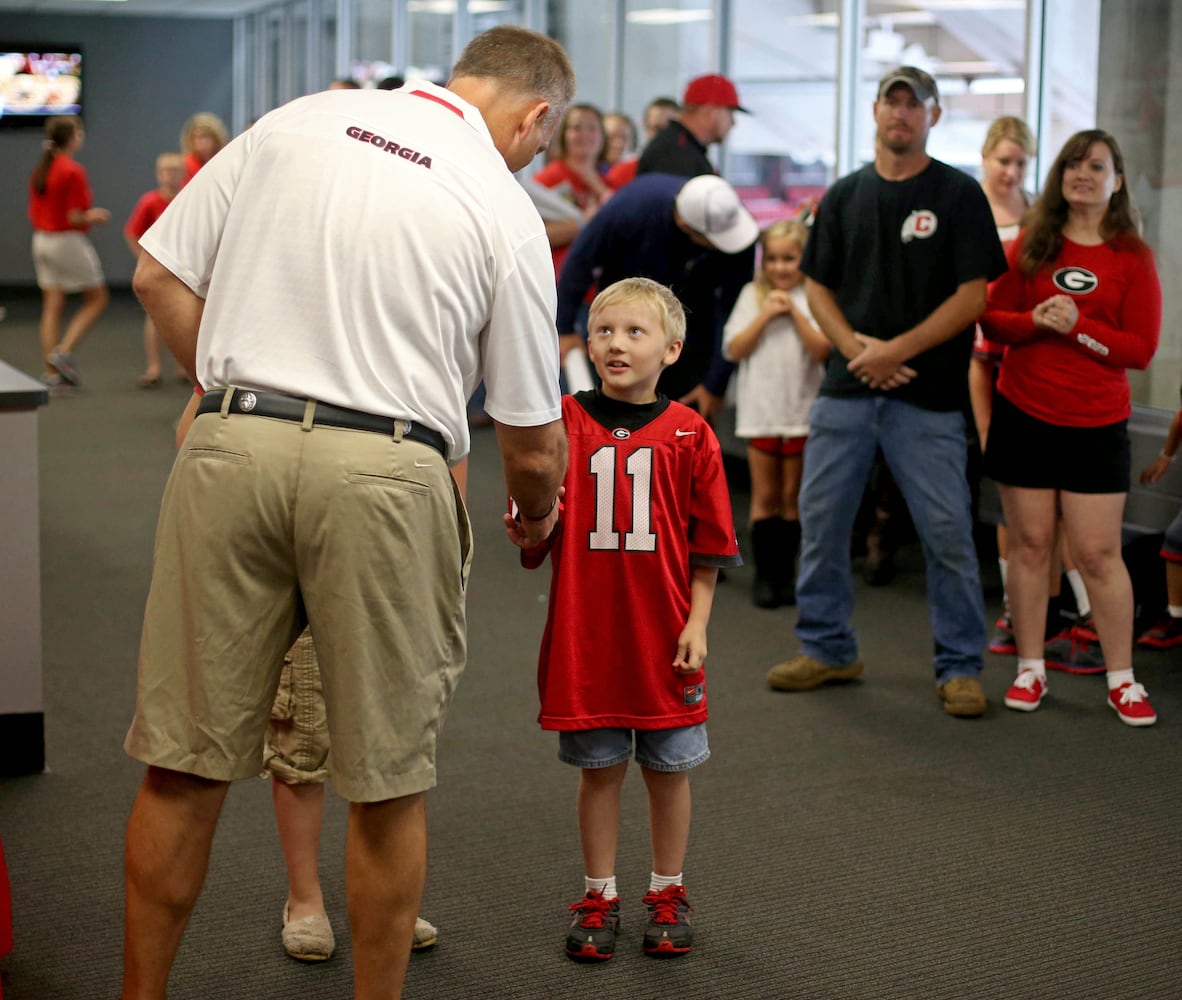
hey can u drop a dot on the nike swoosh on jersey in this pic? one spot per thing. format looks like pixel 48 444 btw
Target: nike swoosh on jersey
pixel 680 433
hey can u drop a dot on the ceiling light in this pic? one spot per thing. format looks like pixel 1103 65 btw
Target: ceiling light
pixel 668 15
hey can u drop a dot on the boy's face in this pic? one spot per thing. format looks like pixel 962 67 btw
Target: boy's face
pixel 629 349
pixel 169 173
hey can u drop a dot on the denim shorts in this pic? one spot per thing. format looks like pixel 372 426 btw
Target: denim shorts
pixel 657 749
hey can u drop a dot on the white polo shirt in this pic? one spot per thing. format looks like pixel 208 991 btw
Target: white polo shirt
pixel 370 249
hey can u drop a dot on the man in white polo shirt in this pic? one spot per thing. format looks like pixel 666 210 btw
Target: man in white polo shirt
pixel 339 279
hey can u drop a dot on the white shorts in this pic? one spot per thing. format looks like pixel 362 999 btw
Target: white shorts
pixel 66 261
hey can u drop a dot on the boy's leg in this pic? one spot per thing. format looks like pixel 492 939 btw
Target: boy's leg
pixel 296 754
pixel 385 868
pixel 599 817
pixel 151 373
pixel 168 840
pixel 669 808
pixel 299 810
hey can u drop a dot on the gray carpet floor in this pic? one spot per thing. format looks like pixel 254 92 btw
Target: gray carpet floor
pixel 852 842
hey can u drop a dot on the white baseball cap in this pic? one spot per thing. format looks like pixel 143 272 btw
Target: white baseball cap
pixel 709 205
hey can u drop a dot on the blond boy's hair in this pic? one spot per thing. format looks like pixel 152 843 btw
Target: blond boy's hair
pixel 650 293
pixel 170 161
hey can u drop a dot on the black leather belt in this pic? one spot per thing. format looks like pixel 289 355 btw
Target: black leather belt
pixel 275 404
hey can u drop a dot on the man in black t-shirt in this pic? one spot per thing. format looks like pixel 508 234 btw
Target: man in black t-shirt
pixel 897 265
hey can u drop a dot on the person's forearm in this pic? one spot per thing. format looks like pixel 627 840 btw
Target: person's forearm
pixel 952 316
pixel 831 320
pixel 703 580
pixel 172 306
pixel 743 343
pixel 981 395
pixel 534 460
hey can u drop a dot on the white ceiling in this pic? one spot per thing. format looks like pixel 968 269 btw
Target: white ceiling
pixel 136 8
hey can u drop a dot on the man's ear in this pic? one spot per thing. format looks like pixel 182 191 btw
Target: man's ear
pixel 535 114
pixel 937 110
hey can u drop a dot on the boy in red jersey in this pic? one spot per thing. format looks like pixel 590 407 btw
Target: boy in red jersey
pixel 170 175
pixel 646 511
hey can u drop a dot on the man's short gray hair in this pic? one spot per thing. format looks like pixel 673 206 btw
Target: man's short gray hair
pixel 526 61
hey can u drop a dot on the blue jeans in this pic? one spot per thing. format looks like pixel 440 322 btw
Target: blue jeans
pixel 926 453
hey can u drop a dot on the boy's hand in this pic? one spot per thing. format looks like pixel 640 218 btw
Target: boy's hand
pixel 691 649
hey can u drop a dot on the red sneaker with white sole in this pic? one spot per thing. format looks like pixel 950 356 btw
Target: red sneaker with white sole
pixel 1131 703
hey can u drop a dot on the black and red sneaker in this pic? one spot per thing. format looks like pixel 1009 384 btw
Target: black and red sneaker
pixel 1002 640
pixel 670 932
pixel 1075 650
pixel 592 934
pixel 1166 634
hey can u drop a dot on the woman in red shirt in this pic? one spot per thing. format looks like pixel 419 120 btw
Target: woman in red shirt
pixel 1079 306
pixel 577 172
pixel 61 211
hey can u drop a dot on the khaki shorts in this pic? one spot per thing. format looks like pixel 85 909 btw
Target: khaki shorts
pixel 66 262
pixel 266 527
pixel 296 751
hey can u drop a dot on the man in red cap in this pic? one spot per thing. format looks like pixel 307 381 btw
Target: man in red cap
pixel 707 115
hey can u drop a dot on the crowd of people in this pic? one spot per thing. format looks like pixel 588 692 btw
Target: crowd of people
pixel 914 301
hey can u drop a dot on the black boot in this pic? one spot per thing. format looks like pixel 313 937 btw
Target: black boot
pixel 764 538
pixel 786 560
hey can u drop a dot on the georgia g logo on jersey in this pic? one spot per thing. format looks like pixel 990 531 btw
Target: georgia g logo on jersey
pixel 919 225
pixel 1075 280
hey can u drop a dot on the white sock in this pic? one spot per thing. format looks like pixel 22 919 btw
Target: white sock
pixel 1118 677
pixel 658 882
pixel 1081 593
pixel 1175 610
pixel 1004 565
pixel 605 885
pixel 1038 667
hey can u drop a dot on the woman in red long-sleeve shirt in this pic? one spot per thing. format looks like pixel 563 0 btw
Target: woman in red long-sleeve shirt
pixel 1079 306
pixel 61 210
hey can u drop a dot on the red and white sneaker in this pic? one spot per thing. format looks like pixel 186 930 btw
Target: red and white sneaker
pixel 1026 693
pixel 1131 703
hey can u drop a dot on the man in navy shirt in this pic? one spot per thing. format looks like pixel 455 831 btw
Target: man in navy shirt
pixel 694 236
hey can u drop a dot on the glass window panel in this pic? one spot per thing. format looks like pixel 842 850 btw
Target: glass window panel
pixel 485 14
pixel 585 30
pixel 298 49
pixel 1136 91
pixel 666 45
pixel 373 39
pixel 430 50
pixel 784 63
pixel 975 50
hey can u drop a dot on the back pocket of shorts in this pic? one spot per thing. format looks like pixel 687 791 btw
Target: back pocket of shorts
pixel 389 483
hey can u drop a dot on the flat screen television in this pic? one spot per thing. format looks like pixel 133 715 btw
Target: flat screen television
pixel 38 82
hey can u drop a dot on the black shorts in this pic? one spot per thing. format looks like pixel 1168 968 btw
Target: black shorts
pixel 1027 452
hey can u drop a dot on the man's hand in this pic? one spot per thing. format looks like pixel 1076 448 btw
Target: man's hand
pixel 527 533
pixel 704 401
pixel 878 365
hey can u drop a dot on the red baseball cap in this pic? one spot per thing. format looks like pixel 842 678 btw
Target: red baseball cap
pixel 713 89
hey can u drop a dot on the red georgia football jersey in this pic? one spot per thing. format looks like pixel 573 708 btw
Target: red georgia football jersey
pixel 643 502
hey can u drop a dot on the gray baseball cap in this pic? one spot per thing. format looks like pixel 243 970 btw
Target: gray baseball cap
pixel 922 85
